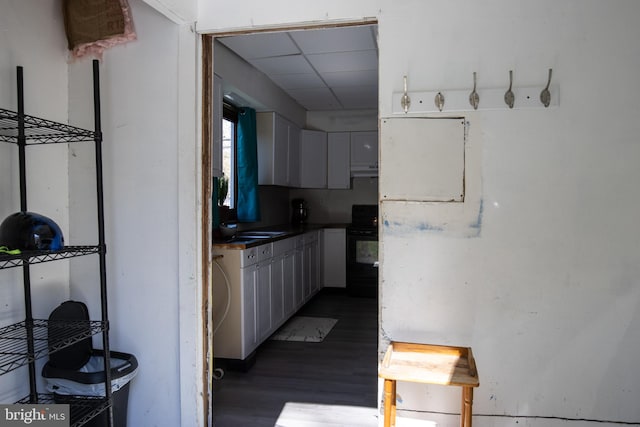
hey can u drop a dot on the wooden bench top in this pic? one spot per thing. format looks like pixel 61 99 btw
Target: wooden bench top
pixel 431 364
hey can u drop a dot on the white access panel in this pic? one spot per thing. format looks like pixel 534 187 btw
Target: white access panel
pixel 422 159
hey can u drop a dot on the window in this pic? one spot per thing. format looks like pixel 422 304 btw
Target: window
pixel 229 126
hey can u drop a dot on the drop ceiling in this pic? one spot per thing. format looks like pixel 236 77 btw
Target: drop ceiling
pixel 322 69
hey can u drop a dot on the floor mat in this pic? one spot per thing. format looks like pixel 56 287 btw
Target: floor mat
pixel 308 329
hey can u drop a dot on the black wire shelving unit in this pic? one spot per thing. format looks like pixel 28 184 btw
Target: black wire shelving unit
pixel 22 343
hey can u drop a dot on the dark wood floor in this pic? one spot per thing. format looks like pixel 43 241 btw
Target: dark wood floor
pixel 309 384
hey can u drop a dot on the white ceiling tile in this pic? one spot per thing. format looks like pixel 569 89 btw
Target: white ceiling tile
pixel 261 45
pixel 298 81
pixel 341 39
pixel 351 78
pixel 357 96
pixel 316 99
pixel 344 61
pixel 344 58
pixel 295 64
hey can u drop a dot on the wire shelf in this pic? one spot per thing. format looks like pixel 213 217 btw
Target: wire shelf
pixel 40 131
pixel 47 336
pixel 82 408
pixel 36 257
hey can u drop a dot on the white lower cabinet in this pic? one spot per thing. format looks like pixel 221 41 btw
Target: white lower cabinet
pixel 288 289
pixel 298 277
pixel 268 284
pixel 281 282
pixel 247 313
pixel 310 271
pixel 263 300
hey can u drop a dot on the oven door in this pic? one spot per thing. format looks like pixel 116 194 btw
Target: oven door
pixel 362 263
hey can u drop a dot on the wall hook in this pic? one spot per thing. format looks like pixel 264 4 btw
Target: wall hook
pixel 439 100
pixel 545 95
pixel 509 98
pixel 474 98
pixel 405 101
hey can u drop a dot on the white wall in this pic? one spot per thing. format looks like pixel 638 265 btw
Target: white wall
pixel 334 206
pixel 215 16
pixel 536 270
pixel 540 280
pixel 255 90
pixel 150 183
pixel 32 36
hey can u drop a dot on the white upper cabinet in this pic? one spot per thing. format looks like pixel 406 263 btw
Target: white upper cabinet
pixel 277 150
pixel 294 156
pixel 338 160
pixel 313 159
pixel 364 153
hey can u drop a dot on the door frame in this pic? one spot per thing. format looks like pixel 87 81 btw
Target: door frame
pixel 206 163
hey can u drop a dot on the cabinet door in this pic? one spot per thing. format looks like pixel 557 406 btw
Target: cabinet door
pixel 248 310
pixel 364 153
pixel 306 272
pixel 310 260
pixel 338 160
pixel 294 155
pixel 288 281
pixel 314 266
pixel 281 151
pixel 277 292
pixel 313 159
pixel 298 278
pixel 278 150
pixel 272 131
pixel 265 130
pixel 335 252
pixel 263 301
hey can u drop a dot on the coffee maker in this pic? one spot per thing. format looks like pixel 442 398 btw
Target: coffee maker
pixel 300 211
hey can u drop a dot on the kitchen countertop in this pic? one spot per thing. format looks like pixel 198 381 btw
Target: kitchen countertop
pixel 289 230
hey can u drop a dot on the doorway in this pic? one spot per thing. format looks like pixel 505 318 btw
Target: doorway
pixel 320 86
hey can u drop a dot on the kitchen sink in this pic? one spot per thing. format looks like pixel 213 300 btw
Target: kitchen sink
pixel 259 234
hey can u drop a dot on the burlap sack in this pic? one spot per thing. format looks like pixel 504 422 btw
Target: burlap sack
pixel 87 21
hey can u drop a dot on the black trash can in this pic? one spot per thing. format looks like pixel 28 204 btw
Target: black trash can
pixel 68 384
pixel 78 370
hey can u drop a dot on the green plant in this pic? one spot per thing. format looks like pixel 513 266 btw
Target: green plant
pixel 223 189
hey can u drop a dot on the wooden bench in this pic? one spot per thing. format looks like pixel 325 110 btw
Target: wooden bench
pixel 429 364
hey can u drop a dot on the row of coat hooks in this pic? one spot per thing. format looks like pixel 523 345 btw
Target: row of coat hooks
pixel 474 96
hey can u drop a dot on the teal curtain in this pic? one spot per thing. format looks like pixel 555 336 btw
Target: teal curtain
pixel 248 203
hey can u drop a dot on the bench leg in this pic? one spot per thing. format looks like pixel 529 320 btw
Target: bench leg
pixel 389 402
pixel 467 407
pixel 393 404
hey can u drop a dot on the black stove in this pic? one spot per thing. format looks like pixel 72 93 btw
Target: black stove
pixel 362 251
pixel 364 219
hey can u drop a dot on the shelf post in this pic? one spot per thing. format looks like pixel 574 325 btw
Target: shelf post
pixel 101 238
pixel 26 276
